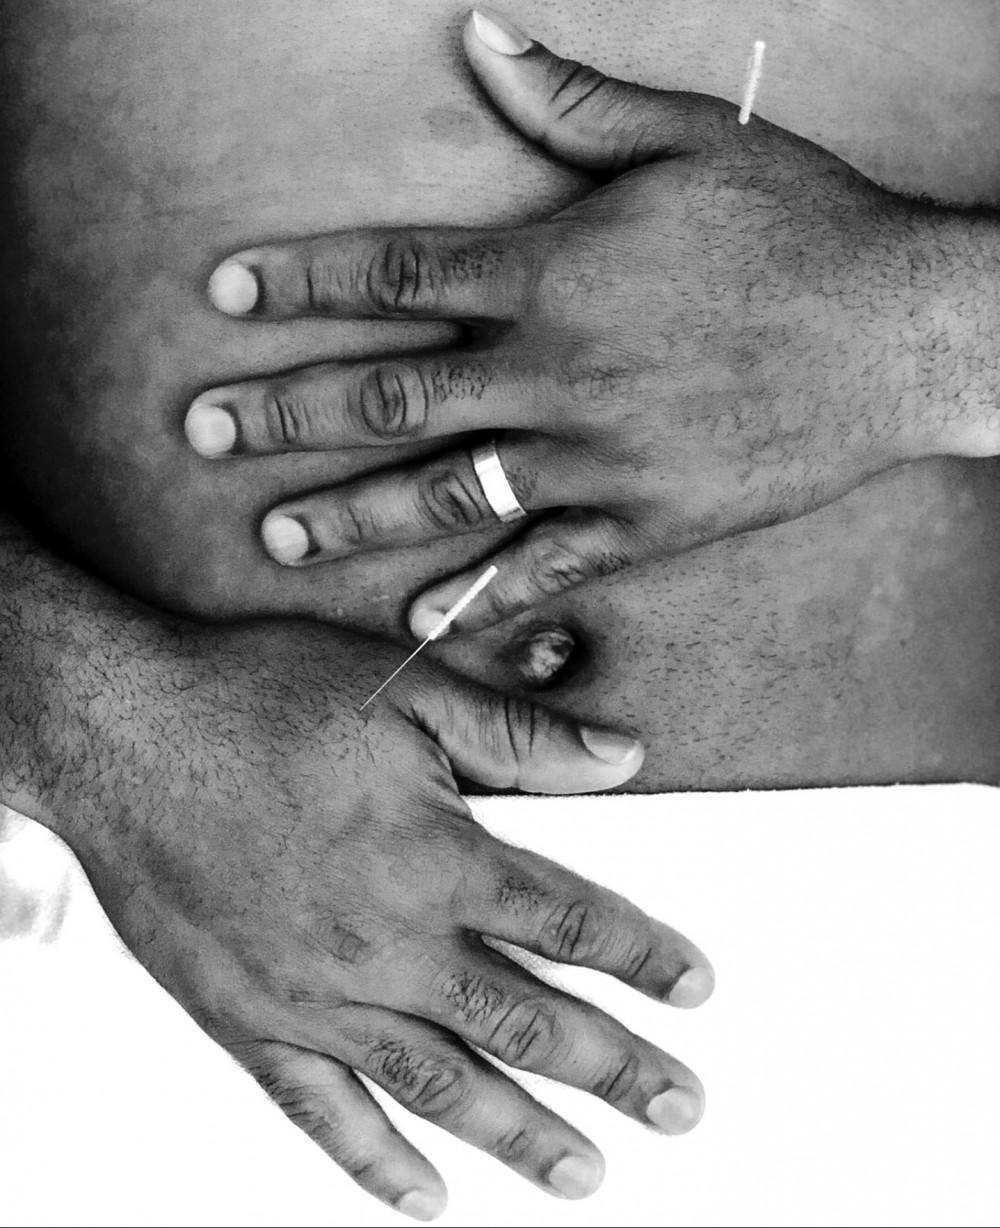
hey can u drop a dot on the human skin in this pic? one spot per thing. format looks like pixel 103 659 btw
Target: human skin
pixel 306 881
pixel 734 330
pixel 858 643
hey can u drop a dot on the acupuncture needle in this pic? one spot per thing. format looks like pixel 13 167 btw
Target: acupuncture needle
pixel 755 66
pixel 439 628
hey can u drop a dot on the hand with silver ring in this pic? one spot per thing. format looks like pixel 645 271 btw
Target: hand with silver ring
pixel 497 490
pixel 734 329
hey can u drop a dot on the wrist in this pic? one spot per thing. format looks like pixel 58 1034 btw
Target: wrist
pixel 69 650
pixel 952 356
pixel 22 700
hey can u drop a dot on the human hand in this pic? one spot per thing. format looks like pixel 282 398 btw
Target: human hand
pixel 308 883
pixel 734 330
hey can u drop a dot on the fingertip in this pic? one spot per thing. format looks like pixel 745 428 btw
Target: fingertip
pixel 423 1205
pixel 233 288
pixel 577 1176
pixel 428 610
pixel 619 749
pixel 677 1110
pixel 496 33
pixel 560 771
pixel 285 539
pixel 210 429
pixel 693 987
pixel 424 617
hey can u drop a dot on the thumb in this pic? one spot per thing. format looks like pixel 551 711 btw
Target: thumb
pixel 511 743
pixel 577 113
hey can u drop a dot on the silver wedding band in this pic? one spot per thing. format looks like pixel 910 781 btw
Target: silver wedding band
pixel 497 490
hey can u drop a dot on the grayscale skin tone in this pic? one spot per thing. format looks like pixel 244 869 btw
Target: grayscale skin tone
pixel 147 142
pixel 732 332
pixel 809 652
pixel 307 882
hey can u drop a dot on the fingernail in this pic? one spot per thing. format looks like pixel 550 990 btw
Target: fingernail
pixel 575 1177
pixel 692 988
pixel 498 33
pixel 422 1204
pixel 675 1111
pixel 233 288
pixel 210 429
pixel 285 539
pixel 424 619
pixel 611 747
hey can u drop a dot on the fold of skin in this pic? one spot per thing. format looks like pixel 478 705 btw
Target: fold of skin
pixel 147 140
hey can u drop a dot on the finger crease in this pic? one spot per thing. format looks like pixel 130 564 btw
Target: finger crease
pixel 312 296
pixel 568 81
pixel 634 972
pixel 621 1083
pixel 583 98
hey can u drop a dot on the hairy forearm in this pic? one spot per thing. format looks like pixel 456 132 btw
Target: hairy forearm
pixel 30 585
pixel 948 354
pixel 70 650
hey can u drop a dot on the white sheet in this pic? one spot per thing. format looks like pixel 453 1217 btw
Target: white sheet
pixel 850 1053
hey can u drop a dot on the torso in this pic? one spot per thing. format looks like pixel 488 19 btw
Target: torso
pixel 147 140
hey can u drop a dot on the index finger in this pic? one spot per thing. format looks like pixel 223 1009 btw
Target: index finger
pixel 411 273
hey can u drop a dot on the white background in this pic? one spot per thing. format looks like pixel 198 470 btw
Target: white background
pixel 851 1052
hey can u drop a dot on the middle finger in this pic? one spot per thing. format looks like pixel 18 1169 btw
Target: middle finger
pixel 357 404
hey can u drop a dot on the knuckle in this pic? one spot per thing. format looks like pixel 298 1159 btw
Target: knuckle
pixel 605 375
pixel 558 568
pixel 433 1087
pixel 472 998
pixel 341 940
pixel 477 260
pixel 357 1166
pixel 528 1035
pixel 635 962
pixel 518 894
pixel 301 1103
pixel 450 502
pixel 526 728
pixel 514 1145
pixel 401 276
pixel 612 554
pixel 358 525
pixel 393 400
pixel 461 381
pixel 323 288
pixel 302 1106
pixel 616 1084
pixel 609 383
pixel 439 1091
pixel 571 932
pixel 288 418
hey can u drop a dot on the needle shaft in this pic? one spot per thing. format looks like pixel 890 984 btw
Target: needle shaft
pixel 750 86
pixel 447 619
pixel 398 670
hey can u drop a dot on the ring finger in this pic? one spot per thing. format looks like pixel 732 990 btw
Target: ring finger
pixel 416 504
